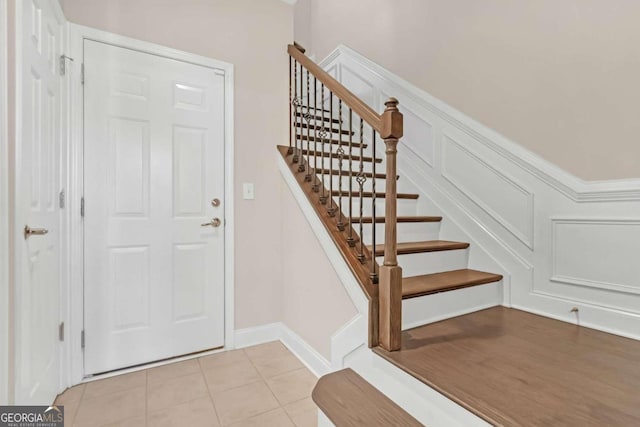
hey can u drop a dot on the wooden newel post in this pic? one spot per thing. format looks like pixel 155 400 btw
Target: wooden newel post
pixel 390 278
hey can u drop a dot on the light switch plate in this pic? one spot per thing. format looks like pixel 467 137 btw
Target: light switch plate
pixel 247 191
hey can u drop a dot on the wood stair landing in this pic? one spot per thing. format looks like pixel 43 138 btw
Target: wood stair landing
pixel 513 368
pixel 428 284
pixel 348 400
pixel 420 247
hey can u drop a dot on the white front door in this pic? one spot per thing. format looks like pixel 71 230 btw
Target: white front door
pixel 39 134
pixel 154 240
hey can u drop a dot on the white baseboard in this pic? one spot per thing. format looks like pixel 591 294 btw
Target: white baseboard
pixel 323 420
pixel 257 335
pixel 278 331
pixel 303 351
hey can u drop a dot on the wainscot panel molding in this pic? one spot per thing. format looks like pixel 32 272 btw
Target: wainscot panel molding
pixel 583 256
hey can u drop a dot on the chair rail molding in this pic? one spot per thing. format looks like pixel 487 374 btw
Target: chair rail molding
pixel 560 242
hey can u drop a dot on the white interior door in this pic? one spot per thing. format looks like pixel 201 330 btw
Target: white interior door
pixel 39 130
pixel 154 163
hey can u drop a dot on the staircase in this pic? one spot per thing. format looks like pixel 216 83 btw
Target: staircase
pixel 500 366
pixel 343 155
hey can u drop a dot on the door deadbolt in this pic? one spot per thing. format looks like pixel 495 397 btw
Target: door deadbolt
pixel 215 203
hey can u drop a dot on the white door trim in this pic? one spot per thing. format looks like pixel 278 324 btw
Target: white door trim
pixel 77 34
pixel 4 206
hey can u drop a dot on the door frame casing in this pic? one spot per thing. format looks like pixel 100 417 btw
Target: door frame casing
pixel 75 315
pixel 4 204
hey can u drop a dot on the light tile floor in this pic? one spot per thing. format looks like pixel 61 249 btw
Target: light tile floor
pixel 261 386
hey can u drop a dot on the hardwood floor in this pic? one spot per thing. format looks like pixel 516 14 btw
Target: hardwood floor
pixel 514 368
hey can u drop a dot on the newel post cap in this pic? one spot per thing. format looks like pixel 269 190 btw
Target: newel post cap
pixel 392 120
pixel 391 104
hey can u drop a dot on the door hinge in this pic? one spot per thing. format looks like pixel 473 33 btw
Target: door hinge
pixel 63 64
pixel 82 207
pixel 82 73
pixel 61 199
pixel 61 331
pixel 82 339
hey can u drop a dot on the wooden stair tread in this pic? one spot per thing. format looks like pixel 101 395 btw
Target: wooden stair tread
pixel 335 173
pixel 345 158
pixel 343 143
pixel 319 127
pixel 420 247
pixel 401 219
pixel 345 193
pixel 427 284
pixel 348 400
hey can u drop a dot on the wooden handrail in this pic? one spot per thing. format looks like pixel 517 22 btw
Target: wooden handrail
pixel 389 125
pixel 367 113
pixel 299 47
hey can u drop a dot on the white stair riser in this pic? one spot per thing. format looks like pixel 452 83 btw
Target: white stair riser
pixel 432 262
pixel 406 207
pixel 407 232
pixel 431 308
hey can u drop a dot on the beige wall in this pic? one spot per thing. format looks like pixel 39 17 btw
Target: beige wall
pixel 253 36
pixel 315 303
pixel 558 77
pixel 302 23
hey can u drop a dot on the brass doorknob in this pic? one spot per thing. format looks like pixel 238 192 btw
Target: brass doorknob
pixel 215 222
pixel 28 231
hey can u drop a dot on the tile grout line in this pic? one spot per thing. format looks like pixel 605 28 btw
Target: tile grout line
pixel 206 383
pixel 264 379
pixel 201 370
pixel 146 397
pixel 84 388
